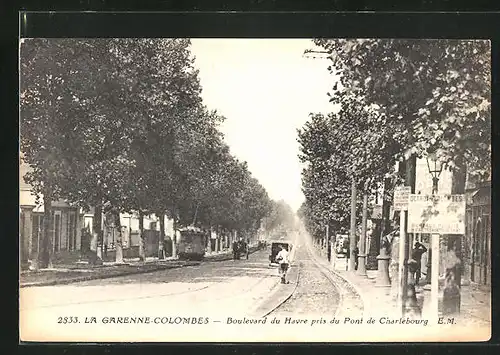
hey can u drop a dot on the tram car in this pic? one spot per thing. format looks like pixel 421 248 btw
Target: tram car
pixel 341 244
pixel 191 245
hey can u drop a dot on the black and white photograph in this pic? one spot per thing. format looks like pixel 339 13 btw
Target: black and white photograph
pixel 254 190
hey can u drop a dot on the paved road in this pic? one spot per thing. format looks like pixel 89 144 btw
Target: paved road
pixel 214 289
pixel 226 285
pixel 211 292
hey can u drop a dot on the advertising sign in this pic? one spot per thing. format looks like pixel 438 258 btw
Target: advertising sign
pixel 440 214
pixel 401 195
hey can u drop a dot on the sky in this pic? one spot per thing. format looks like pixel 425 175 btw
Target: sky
pixel 266 89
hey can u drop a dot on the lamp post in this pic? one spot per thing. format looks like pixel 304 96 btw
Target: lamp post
pixel 432 277
pixel 435 168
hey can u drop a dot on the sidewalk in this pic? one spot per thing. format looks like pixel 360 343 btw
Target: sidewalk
pixel 475 302
pixel 82 271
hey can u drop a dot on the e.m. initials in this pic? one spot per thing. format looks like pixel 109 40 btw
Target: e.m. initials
pixel 442 320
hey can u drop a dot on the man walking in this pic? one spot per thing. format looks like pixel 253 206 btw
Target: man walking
pixel 283 260
pixel 416 254
pixel 236 251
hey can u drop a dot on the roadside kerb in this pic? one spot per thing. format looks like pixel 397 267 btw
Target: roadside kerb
pixel 100 276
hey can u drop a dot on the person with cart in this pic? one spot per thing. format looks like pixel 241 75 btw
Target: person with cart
pixel 283 260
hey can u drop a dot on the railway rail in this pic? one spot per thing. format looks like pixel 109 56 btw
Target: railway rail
pixel 317 290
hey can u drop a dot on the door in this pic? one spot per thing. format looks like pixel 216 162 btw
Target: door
pixel 476 250
pixel 486 265
pixel 36 234
pixel 57 231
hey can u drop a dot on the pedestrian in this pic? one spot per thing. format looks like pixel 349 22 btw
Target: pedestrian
pixel 283 260
pixel 241 247
pixel 235 250
pixel 416 254
pixel 161 254
pixel 247 248
pixel 356 257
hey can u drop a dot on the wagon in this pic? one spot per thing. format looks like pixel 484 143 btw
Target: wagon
pixel 275 250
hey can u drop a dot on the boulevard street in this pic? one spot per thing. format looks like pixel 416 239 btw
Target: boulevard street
pixel 363 164
pixel 213 288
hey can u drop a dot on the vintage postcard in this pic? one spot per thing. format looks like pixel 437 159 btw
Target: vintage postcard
pixel 254 190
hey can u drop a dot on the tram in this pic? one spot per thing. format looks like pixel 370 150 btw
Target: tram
pixel 341 244
pixel 191 245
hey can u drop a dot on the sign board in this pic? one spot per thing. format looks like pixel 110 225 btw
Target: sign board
pixel 401 195
pixel 440 214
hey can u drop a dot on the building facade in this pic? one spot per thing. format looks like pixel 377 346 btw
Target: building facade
pixel 67 222
pixel 478 232
pixel 71 227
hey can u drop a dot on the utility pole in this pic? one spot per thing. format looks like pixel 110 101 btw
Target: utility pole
pixel 352 242
pixel 384 257
pixel 362 241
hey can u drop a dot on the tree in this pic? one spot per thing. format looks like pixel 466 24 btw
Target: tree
pixel 167 105
pixel 119 125
pixel 435 92
pixel 57 90
pixel 280 219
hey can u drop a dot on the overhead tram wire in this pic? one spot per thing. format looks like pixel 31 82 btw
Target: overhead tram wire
pixel 307 51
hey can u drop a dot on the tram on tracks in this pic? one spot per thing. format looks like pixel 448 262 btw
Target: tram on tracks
pixel 191 244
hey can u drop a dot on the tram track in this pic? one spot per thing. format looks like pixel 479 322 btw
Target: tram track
pixel 317 285
pixel 351 302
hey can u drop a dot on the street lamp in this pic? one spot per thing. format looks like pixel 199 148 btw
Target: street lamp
pixel 435 168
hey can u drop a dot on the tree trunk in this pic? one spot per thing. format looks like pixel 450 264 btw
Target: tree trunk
pixel 161 240
pixel 97 228
pixel 386 209
pixel 195 214
pixel 118 243
pixel 174 238
pixel 362 240
pixel 142 243
pixel 45 254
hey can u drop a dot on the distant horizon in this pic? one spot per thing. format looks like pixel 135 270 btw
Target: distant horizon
pixel 266 89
